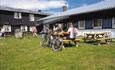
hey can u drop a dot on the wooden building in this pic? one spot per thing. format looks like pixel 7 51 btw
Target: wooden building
pixel 99 17
pixel 11 19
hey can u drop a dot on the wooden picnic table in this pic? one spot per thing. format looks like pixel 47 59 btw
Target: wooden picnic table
pixel 65 36
pixel 89 36
pixel 98 37
pixel 63 33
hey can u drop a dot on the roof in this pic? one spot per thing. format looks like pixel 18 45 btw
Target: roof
pixel 53 20
pixel 22 10
pixel 103 5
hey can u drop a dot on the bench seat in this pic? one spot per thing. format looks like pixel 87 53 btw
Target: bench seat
pixel 107 40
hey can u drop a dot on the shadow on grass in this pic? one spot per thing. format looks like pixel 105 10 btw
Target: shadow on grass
pixel 101 43
pixel 69 45
pixel 91 42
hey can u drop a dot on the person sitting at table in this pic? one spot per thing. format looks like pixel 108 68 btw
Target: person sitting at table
pixel 73 31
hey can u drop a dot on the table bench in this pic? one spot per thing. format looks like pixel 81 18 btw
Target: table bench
pixel 98 37
pixel 66 40
pixel 71 41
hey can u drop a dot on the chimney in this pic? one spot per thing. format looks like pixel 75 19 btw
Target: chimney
pixel 39 10
pixel 65 7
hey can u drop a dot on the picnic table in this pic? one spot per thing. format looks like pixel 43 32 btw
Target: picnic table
pixel 65 35
pixel 98 37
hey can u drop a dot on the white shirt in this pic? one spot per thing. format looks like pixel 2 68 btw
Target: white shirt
pixel 72 31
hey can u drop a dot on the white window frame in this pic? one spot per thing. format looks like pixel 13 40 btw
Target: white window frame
pixel 20 15
pixel 31 17
pixel 30 28
pixel 79 26
pixel 24 28
pixel 113 22
pixel 7 28
pixel 17 15
pixel 95 27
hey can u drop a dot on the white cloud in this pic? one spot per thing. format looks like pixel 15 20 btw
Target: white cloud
pixel 33 4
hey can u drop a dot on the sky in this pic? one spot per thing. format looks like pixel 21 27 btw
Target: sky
pixel 49 6
pixel 74 4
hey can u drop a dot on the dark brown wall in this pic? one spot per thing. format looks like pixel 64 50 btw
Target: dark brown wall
pixel 7 17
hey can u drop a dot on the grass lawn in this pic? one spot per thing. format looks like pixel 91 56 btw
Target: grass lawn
pixel 25 54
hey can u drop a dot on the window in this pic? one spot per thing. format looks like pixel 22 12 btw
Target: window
pixel 81 24
pixel 24 28
pixel 17 15
pixel 7 28
pixel 30 28
pixel 20 16
pixel 113 22
pixel 97 23
pixel 31 17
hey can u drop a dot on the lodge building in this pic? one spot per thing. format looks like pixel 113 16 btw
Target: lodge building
pixel 99 17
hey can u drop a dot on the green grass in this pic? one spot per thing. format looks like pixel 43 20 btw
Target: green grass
pixel 25 54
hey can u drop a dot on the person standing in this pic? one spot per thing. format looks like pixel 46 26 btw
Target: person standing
pixel 3 32
pixel 44 35
pixel 34 31
pixel 73 31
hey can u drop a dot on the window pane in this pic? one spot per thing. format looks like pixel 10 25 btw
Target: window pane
pixel 24 28
pixel 81 24
pixel 7 28
pixel 97 22
pixel 31 17
pixel 114 21
pixel 30 28
pixel 19 15
pixel 15 15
